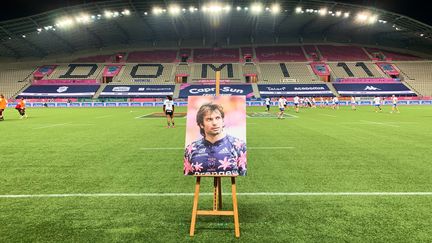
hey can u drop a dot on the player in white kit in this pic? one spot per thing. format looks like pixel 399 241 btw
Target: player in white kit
pixel 377 104
pixel 281 105
pixel 168 109
pixel 394 105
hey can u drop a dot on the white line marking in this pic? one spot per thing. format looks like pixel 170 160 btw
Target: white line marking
pixel 328 115
pixel 178 148
pixel 210 194
pixel 379 123
pixel 53 125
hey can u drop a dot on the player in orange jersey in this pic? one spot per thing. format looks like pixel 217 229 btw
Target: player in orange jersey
pixel 20 107
pixel 3 104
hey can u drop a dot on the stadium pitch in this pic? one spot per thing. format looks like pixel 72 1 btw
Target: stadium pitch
pixel 100 174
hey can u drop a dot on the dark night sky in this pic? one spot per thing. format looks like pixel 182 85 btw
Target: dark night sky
pixel 416 9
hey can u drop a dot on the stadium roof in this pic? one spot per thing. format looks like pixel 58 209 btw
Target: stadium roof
pixel 190 23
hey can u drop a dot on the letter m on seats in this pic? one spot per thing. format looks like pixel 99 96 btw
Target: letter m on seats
pixel 229 67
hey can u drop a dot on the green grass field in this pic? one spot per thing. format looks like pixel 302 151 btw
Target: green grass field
pixel 97 152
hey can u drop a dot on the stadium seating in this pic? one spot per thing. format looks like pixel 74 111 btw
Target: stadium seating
pixel 14 79
pixel 94 59
pixel 249 68
pixel 272 73
pixel 418 75
pixel 247 51
pixel 156 56
pixel 280 53
pixel 343 53
pixel 393 55
pixel 81 71
pixel 183 69
pixel 357 71
pixel 216 55
pixel 143 72
pixel 207 71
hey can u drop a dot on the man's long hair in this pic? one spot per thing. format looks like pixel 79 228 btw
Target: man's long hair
pixel 203 110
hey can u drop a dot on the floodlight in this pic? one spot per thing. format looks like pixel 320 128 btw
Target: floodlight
pixel 256 8
pixel 373 19
pixel 174 10
pixel 338 13
pixel 275 8
pixel 108 14
pixel 322 11
pixel 39 29
pixel 157 10
pixel 24 36
pixel 238 8
pixel 65 22
pixel 362 17
pixel 346 15
pixel 192 9
pixel 83 18
pixel 126 12
pixel 298 10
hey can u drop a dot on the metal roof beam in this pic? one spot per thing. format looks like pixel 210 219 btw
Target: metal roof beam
pixel 29 43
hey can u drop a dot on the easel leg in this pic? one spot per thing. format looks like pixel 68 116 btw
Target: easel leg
pixel 195 207
pixel 235 209
pixel 215 194
pixel 220 192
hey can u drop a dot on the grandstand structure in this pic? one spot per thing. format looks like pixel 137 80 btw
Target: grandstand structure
pixel 136 44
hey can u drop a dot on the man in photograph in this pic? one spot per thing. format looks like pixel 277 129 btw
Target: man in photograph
pixel 217 153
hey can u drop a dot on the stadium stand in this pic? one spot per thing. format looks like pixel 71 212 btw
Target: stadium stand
pixel 94 59
pixel 182 69
pixel 14 79
pixel 247 51
pixel 146 74
pixel 312 52
pixel 274 73
pixel 280 53
pixel 393 55
pixel 208 71
pixel 355 70
pixel 342 53
pixel 216 55
pixel 249 68
pixel 155 56
pixel 418 75
pixel 77 71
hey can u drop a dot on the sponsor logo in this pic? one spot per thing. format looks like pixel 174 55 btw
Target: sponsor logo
pixel 224 151
pixel 202 150
pixel 226 89
pixel 121 89
pixel 62 89
pixel 370 87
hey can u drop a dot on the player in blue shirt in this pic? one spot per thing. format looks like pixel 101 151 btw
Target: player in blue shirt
pixel 216 153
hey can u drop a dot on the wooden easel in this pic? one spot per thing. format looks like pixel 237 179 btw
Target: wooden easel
pixel 217 193
pixel 217 203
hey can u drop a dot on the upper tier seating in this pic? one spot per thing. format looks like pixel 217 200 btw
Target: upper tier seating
pixel 343 53
pixel 280 53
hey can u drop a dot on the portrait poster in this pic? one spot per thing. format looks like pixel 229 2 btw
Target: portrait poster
pixel 216 136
